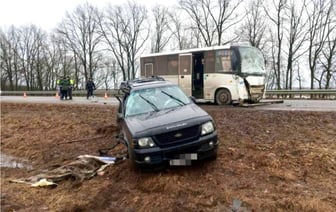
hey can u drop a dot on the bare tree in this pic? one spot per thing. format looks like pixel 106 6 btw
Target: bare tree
pixel 298 72
pixel 253 29
pixel 273 75
pixel 162 34
pixel 109 73
pixel 7 58
pixel 184 34
pixel 296 35
pixel 25 50
pixel 79 30
pixel 328 60
pixel 30 50
pixel 277 41
pixel 176 28
pixel 17 45
pixel 60 60
pixel 41 67
pixel 319 19
pixel 24 58
pixel 125 32
pixel 213 18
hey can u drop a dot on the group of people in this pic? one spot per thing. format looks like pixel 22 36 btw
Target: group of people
pixel 66 85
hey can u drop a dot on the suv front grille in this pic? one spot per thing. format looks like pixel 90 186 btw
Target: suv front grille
pixel 181 135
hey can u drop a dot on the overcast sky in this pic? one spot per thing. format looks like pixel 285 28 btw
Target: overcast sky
pixel 47 13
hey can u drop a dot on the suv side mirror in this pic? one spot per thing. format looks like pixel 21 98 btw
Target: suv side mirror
pixel 193 99
pixel 119 116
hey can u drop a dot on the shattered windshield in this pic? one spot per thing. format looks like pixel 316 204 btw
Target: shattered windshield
pixel 252 61
pixel 155 99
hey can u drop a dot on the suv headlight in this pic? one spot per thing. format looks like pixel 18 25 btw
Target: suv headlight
pixel 146 142
pixel 207 128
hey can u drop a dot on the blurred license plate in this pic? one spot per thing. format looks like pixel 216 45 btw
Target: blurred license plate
pixel 184 160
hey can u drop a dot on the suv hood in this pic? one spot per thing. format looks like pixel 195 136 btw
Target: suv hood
pixel 166 120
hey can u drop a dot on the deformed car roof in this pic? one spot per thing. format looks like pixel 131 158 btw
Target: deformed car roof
pixel 141 83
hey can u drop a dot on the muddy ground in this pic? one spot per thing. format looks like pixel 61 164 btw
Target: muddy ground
pixel 267 161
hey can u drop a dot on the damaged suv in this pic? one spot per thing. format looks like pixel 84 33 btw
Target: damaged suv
pixel 161 125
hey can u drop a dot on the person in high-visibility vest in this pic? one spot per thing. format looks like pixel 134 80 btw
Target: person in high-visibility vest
pixel 71 84
pixel 58 87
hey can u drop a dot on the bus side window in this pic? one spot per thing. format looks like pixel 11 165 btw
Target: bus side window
pixel 223 61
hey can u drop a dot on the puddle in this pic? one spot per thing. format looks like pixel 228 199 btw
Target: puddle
pixel 13 162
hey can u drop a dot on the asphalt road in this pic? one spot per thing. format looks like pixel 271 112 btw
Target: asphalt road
pixel 303 105
pixel 294 105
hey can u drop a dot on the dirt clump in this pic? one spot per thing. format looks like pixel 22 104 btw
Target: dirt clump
pixel 267 161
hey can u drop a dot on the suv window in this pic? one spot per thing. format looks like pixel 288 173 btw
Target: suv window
pixel 175 132
pixel 155 99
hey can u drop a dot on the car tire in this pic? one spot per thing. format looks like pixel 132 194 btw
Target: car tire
pixel 214 156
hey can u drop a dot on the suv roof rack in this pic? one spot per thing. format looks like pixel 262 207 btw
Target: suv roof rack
pixel 126 86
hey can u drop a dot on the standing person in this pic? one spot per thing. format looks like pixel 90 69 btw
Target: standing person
pixel 90 86
pixel 58 87
pixel 64 88
pixel 71 83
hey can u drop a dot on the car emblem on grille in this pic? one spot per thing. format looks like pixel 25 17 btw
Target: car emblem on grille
pixel 175 126
pixel 177 135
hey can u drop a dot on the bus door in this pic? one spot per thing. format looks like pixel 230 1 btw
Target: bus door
pixel 198 76
pixel 184 76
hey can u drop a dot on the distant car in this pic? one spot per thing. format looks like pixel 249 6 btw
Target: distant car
pixel 160 125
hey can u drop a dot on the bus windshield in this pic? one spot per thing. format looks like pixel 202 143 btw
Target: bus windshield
pixel 252 61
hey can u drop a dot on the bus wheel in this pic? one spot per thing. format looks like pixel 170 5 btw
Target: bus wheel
pixel 223 97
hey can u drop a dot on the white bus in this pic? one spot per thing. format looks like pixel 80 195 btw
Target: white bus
pixel 220 74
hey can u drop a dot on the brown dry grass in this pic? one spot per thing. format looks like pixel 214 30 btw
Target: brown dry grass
pixel 269 160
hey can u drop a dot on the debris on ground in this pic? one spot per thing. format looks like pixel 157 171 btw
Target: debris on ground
pixel 83 168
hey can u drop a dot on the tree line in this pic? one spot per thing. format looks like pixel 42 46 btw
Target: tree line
pixel 297 38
